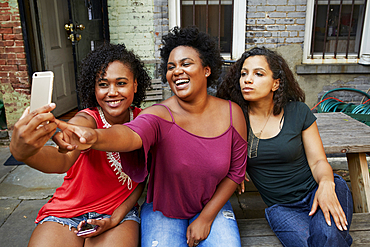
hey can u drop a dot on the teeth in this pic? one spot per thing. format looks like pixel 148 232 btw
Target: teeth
pixel 114 102
pixel 181 81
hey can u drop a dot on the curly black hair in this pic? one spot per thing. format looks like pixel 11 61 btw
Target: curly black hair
pixel 201 42
pixel 94 65
pixel 288 90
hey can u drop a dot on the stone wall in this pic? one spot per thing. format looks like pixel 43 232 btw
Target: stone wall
pixel 15 86
pixel 273 23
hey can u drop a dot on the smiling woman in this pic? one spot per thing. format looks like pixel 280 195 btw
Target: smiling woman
pixel 198 149
pixel 96 189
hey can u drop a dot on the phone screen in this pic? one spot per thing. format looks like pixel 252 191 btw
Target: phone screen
pixel 86 229
pixel 42 89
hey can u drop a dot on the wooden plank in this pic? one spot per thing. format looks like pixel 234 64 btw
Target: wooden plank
pixel 358 171
pixel 257 232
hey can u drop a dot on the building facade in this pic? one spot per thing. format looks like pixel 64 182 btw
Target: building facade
pixel 297 29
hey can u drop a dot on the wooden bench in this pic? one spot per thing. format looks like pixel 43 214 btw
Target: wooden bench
pixel 257 232
pixel 156 92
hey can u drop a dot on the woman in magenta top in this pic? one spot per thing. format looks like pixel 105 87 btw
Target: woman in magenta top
pixel 197 146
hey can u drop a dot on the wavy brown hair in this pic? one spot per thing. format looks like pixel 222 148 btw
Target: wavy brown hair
pixel 288 90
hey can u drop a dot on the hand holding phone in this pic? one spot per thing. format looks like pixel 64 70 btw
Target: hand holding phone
pixel 42 89
pixel 87 229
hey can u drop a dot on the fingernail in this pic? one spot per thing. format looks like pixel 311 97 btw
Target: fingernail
pixel 345 228
pixel 340 228
pixel 329 223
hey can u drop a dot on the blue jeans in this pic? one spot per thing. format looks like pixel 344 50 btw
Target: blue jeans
pixel 158 230
pixel 294 227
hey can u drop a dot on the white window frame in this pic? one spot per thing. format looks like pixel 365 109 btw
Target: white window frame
pixel 317 59
pixel 239 25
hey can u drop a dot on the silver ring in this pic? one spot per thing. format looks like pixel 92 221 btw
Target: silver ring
pixel 196 243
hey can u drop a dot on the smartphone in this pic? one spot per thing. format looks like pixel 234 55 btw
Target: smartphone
pixel 86 229
pixel 41 89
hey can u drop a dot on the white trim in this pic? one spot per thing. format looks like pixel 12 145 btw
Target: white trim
pixel 174 13
pixel 365 46
pixel 239 24
pixel 317 59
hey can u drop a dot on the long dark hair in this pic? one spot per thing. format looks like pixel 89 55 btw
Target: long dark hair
pixel 288 90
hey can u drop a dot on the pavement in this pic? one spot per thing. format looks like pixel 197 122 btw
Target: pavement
pixel 24 190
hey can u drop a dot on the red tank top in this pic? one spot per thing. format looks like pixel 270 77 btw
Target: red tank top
pixel 95 183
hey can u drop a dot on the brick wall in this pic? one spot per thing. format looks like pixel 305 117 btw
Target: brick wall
pixel 15 86
pixel 273 23
pixel 131 23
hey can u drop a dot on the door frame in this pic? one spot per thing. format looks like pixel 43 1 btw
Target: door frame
pixel 33 43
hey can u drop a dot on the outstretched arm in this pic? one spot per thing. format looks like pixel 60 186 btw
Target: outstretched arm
pixel 118 138
pixel 325 197
pixel 30 134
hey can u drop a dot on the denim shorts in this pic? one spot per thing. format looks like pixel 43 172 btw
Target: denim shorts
pixel 73 222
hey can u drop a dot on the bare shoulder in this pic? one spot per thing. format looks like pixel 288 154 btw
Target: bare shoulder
pixel 83 119
pixel 239 120
pixel 160 110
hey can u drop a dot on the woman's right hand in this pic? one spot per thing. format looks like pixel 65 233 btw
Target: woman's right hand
pixel 32 131
pixel 74 137
pixel 241 187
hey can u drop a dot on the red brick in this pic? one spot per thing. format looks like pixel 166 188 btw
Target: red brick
pixel 22 67
pixel 9 36
pixel 4 17
pixel 17 61
pixel 18 36
pixel 14 49
pixel 15 18
pixel 2 61
pixel 21 55
pixel 8 56
pixel 4 74
pixel 7 43
pixel 21 74
pixel 10 24
pixel 4 11
pixel 2 5
pixel 6 30
pixel 4 80
pixel 19 43
pixel 17 30
pixel 9 68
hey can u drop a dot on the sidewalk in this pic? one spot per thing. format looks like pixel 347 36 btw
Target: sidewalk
pixel 24 190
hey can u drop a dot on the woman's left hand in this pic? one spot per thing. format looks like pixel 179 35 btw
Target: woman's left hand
pixel 103 225
pixel 327 200
pixel 197 231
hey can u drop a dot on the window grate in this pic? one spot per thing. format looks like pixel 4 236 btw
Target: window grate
pixel 337 28
pixel 218 20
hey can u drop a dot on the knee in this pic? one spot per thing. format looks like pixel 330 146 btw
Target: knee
pixel 325 235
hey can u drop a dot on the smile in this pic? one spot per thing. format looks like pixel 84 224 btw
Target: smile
pixel 113 103
pixel 180 82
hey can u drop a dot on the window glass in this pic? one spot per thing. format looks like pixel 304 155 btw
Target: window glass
pixel 338 31
pixel 225 31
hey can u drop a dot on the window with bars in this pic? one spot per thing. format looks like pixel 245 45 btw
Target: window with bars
pixel 222 19
pixel 336 30
pixel 213 17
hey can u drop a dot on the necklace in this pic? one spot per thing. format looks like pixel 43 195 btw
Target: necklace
pixel 254 139
pixel 114 157
pixel 258 134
